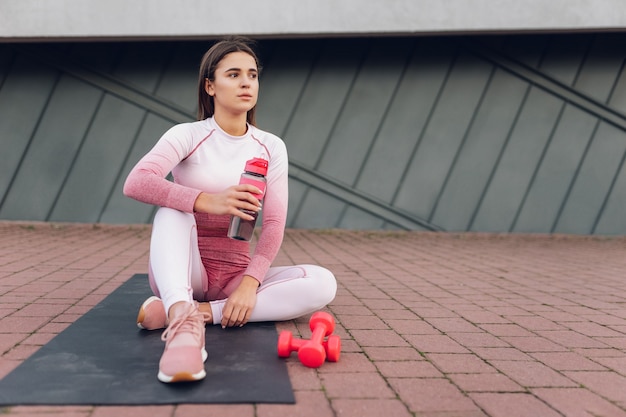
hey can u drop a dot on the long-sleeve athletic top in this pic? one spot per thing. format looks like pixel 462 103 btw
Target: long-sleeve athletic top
pixel 202 157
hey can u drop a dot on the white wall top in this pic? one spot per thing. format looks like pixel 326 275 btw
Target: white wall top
pixel 35 20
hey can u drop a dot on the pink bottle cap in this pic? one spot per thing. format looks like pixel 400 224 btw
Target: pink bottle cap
pixel 257 165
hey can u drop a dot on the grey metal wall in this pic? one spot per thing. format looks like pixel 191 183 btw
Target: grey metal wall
pixel 499 134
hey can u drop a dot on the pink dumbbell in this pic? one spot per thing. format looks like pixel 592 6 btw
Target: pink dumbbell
pixel 315 351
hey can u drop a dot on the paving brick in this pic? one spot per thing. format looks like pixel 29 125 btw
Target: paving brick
pixel 481 317
pixel 567 361
pixel 195 410
pixel 532 374
pixel 302 378
pixel 616 342
pixel 450 363
pixel 408 369
pixel 145 411
pixel 534 344
pixel 392 353
pixel 363 322
pixel 378 338
pixel 414 326
pixel 497 353
pixel 9 340
pixel 21 352
pixel 21 324
pixel 506 330
pixel 532 323
pixel 40 309
pixel 435 344
pixel 389 315
pixel 609 385
pixel 490 382
pixel 370 408
pixel 617 364
pixel 349 362
pixel 593 329
pixel 578 402
pixel 351 310
pixel 513 405
pixel 457 325
pixel 472 340
pixel 426 395
pixel 571 339
pixel 355 385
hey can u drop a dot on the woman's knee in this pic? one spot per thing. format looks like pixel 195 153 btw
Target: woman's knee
pixel 166 215
pixel 326 284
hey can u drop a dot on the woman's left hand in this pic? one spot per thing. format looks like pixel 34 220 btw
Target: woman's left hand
pixel 240 303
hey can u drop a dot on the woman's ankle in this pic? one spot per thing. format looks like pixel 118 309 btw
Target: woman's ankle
pixel 177 309
pixel 205 308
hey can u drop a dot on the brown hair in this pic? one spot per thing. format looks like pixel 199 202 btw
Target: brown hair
pixel 210 61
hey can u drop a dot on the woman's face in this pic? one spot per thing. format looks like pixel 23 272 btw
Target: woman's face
pixel 236 85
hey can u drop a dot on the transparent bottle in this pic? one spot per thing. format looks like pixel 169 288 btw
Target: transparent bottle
pixel 254 174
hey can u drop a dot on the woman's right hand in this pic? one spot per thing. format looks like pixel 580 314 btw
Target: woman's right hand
pixel 230 201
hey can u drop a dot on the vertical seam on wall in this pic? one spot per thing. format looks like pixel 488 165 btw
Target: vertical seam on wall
pixel 462 144
pixel 383 118
pixel 583 158
pixel 546 146
pixel 333 127
pixel 422 132
pixel 621 164
pixel 171 53
pixel 496 165
pixel 296 211
pixel 342 107
pixel 126 158
pixel 30 140
pixel 502 150
pixel 9 69
pixel 69 170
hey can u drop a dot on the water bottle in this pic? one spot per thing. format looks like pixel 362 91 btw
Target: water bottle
pixel 254 173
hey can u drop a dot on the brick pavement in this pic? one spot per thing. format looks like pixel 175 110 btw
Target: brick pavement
pixel 435 325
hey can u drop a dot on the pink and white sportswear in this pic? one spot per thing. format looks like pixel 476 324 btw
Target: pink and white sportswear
pixel 190 255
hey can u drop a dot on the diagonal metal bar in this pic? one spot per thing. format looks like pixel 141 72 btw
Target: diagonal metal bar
pixel 108 83
pixel 548 84
pixel 358 199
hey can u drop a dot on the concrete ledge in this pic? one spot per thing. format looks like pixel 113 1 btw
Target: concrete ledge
pixel 36 20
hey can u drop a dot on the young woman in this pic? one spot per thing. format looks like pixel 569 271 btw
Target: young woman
pixel 197 273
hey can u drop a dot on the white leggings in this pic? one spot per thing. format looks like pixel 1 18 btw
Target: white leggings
pixel 177 274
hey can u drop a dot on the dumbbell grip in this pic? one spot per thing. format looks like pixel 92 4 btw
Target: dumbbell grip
pixel 318 334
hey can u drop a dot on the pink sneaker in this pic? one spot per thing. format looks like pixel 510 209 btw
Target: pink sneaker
pixel 152 314
pixel 184 361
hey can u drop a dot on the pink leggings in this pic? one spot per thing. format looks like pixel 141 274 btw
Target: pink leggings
pixel 178 274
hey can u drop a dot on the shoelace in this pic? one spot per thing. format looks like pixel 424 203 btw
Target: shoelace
pixel 191 321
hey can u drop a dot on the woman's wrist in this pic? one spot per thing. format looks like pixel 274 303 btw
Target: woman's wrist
pixel 250 281
pixel 202 201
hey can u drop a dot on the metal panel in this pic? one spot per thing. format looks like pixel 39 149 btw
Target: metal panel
pixel 485 138
pixel 443 135
pixel 408 114
pixel 24 95
pixel 118 206
pixel 97 162
pixel 283 77
pixel 42 171
pixel 593 182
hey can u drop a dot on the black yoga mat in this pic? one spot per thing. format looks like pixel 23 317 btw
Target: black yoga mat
pixel 104 359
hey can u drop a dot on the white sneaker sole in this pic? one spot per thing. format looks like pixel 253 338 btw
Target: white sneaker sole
pixel 184 376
